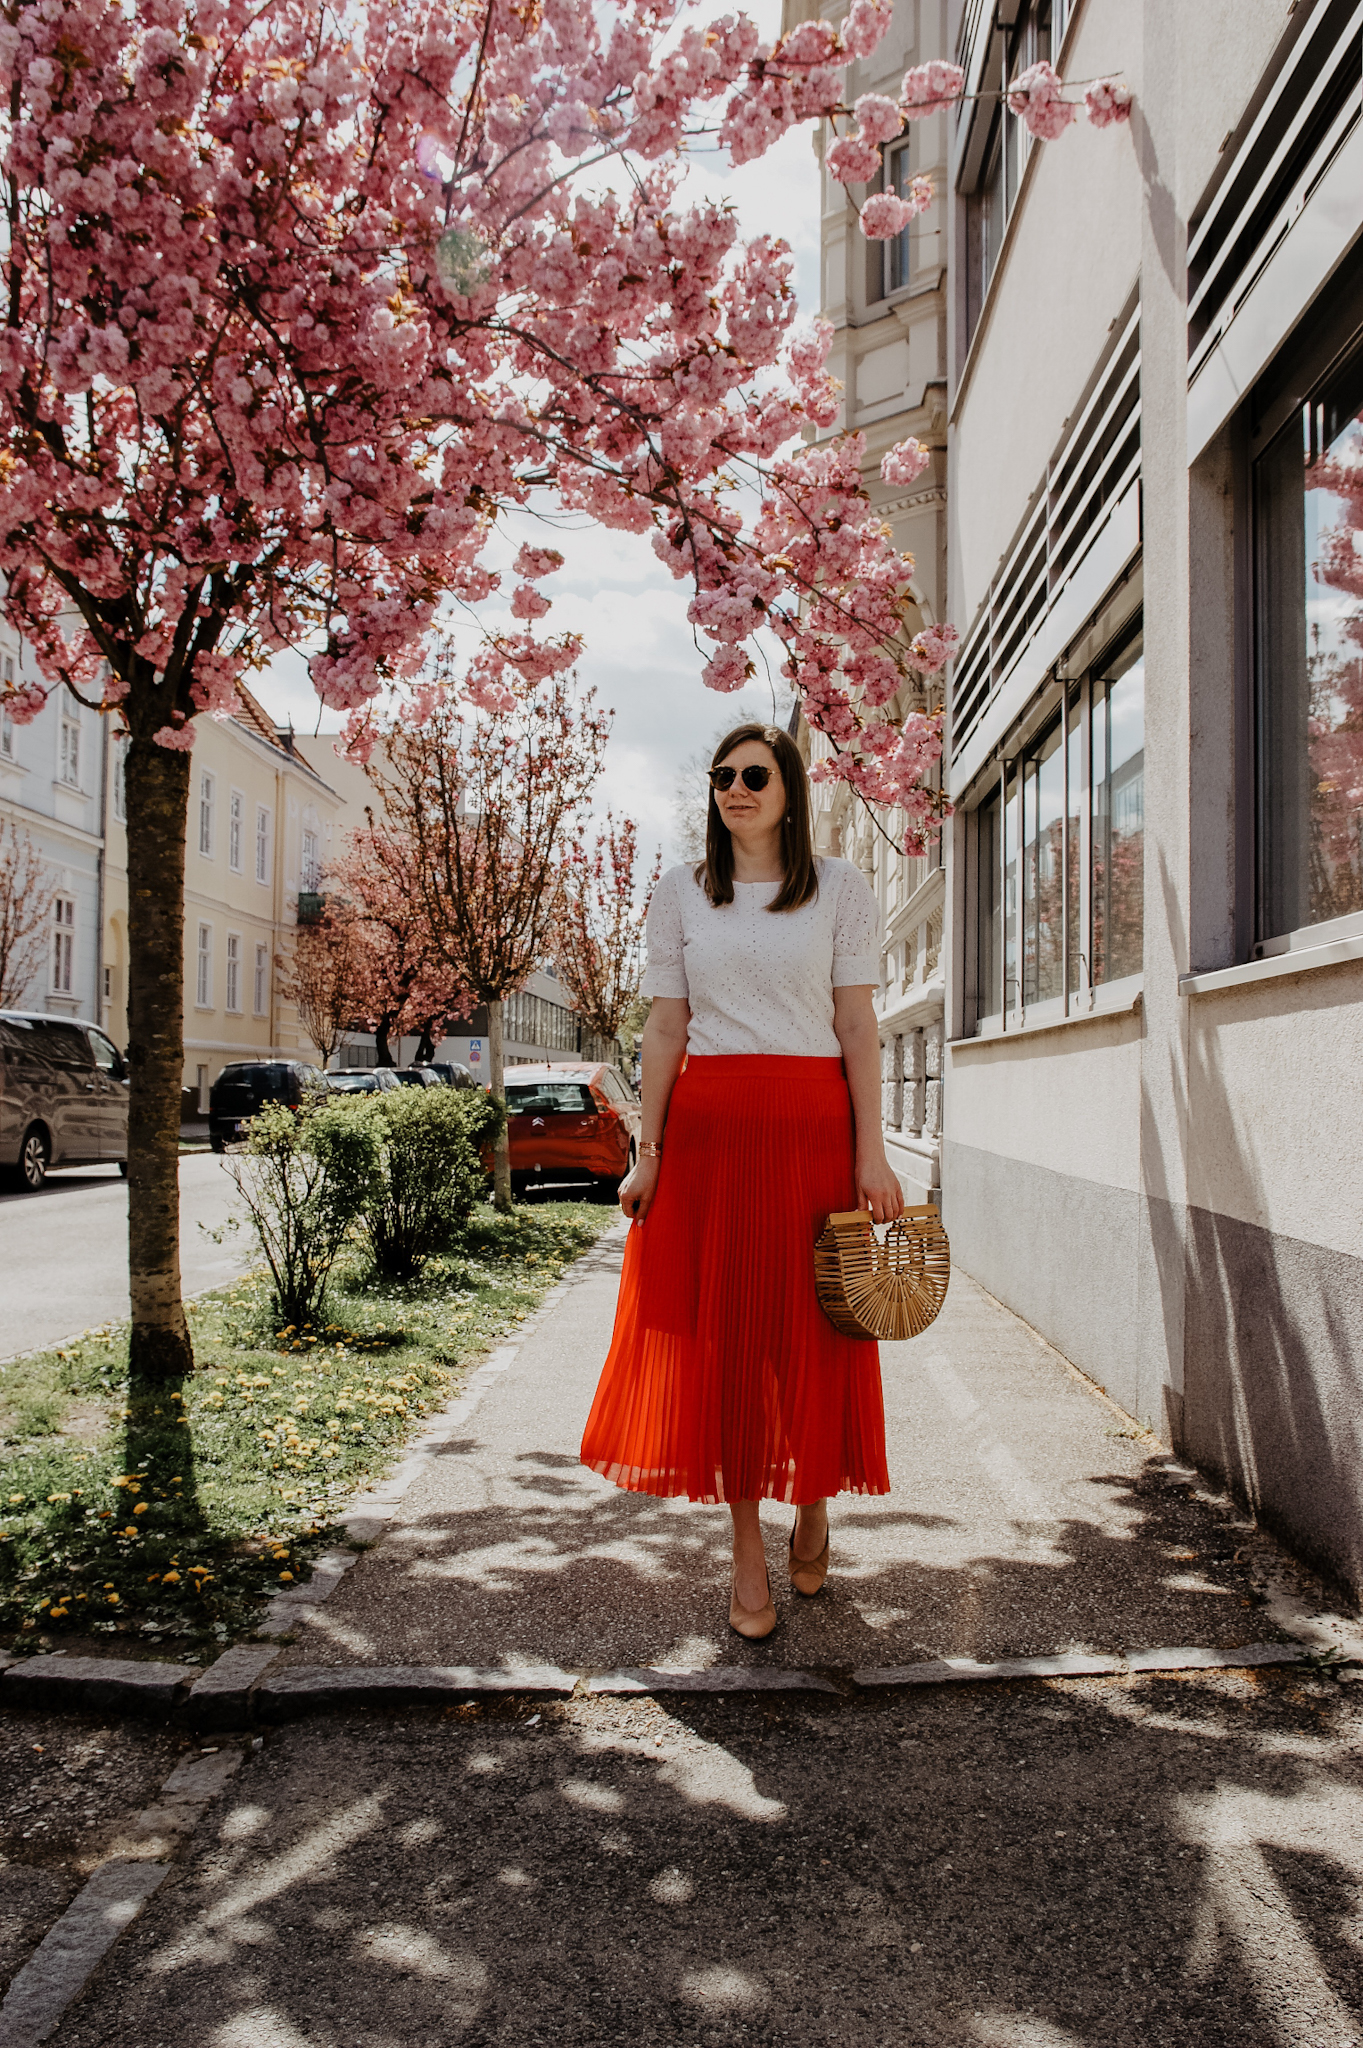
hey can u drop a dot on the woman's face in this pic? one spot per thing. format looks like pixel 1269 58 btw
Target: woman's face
pixel 751 812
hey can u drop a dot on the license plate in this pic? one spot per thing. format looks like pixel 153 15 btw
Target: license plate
pixel 238 1130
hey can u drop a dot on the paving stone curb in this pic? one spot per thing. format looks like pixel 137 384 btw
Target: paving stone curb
pixel 718 1678
pixel 302 1688
pixel 965 1671
pixel 63 1962
pixel 121 1683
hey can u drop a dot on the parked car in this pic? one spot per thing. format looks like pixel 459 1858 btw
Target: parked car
pixel 419 1077
pixel 63 1097
pixel 574 1125
pixel 245 1086
pixel 363 1081
pixel 450 1072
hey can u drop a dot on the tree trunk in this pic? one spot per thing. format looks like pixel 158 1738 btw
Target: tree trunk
pixel 158 800
pixel 425 1051
pixel 382 1056
pixel 501 1149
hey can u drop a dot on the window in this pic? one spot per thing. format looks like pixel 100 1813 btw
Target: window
pixel 262 843
pixel 1036 33
pixel 203 981
pixel 897 255
pixel 1308 542
pixel 6 722
pixel 68 760
pixel 206 788
pixel 106 1054
pixel 63 945
pixel 236 807
pixel 121 778
pixel 262 987
pixel 1059 848
pixel 311 874
pixel 232 994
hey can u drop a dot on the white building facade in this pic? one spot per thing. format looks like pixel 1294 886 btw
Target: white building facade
pixel 1154 949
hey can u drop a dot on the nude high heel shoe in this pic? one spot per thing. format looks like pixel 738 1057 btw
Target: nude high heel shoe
pixel 808 1574
pixel 752 1622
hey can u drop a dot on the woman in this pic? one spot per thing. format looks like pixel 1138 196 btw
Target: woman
pixel 761 1086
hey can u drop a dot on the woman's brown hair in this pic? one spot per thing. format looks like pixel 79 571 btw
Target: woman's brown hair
pixel 716 871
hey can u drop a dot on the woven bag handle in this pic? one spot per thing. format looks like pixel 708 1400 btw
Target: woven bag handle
pixel 864 1215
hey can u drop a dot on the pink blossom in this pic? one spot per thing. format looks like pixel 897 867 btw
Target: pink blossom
pixel 853 161
pixel 1108 101
pixel 24 703
pixel 179 739
pixel 878 118
pixel 905 462
pixel 884 216
pixel 864 26
pixel 932 647
pixel 929 87
pixel 527 603
pixel 1035 97
pixel 533 562
pixel 727 670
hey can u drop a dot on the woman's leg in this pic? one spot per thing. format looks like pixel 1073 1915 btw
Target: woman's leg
pixel 811 1529
pixel 750 1558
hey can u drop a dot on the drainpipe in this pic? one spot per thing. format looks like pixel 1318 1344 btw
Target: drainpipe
pixel 100 1018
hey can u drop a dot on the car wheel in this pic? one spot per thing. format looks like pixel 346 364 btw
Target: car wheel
pixel 217 1145
pixel 35 1156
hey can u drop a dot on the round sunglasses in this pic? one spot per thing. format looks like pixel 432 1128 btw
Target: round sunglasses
pixel 755 777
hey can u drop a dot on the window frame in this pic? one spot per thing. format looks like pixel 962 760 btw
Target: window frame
pixel 1068 704
pixel 62 963
pixel 264 824
pixel 260 986
pixel 236 823
pixel 203 969
pixel 1320 349
pixel 231 999
pixel 120 777
pixel 68 748
pixel 7 725
pixel 208 798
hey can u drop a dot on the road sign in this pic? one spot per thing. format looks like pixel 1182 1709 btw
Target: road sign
pixel 475 1052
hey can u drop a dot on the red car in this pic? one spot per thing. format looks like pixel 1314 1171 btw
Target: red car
pixel 574 1124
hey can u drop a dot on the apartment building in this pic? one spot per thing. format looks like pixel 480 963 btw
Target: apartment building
pixel 1154 945
pixel 887 302
pixel 52 792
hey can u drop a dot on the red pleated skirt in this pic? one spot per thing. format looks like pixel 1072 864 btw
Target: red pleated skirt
pixel 725 1380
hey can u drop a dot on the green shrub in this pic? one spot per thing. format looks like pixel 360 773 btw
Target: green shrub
pixel 429 1141
pixel 304 1179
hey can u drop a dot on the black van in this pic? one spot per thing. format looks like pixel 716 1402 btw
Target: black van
pixel 63 1097
pixel 245 1086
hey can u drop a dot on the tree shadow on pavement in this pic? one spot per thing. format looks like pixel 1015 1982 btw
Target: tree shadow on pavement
pixel 1103 1864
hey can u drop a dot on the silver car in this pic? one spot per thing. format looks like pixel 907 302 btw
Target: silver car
pixel 63 1097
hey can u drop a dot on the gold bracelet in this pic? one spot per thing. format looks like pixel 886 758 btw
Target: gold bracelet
pixel 649 1149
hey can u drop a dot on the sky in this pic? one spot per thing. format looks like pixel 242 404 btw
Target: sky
pixel 638 651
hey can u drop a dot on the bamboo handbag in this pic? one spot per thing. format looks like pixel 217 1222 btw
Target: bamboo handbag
pixel 890 1288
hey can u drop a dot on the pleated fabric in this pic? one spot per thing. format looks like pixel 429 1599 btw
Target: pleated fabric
pixel 725 1380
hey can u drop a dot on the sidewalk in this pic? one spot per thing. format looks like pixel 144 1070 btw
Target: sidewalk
pixel 1022 1522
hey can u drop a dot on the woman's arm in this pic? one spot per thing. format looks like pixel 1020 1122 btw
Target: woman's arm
pixel 664 1049
pixel 858 1034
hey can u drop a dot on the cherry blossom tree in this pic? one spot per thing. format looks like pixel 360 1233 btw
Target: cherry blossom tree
pixel 400 985
pixel 598 932
pixel 299 303
pixel 27 892
pixel 320 976
pixel 486 803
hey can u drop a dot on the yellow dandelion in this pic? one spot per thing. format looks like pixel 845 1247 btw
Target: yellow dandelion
pixel 112 1599
pixel 143 1507
pixel 170 1579
pixel 286 1577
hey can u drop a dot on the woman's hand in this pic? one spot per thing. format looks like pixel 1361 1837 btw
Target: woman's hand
pixel 878 1188
pixel 639 1187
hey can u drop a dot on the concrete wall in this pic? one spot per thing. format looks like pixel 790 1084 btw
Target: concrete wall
pixel 1174 1198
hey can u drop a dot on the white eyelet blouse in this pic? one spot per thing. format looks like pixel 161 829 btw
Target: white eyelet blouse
pixel 758 981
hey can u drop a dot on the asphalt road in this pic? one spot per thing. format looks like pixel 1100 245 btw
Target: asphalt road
pixel 1127 1863
pixel 64 1252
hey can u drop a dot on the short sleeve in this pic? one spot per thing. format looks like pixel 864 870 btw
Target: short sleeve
pixel 665 974
pixel 856 934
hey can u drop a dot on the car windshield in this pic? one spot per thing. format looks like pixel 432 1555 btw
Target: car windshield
pixel 266 1077
pixel 353 1084
pixel 550 1098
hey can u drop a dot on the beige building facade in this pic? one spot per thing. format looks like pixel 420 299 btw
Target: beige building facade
pixel 263 824
pixel 888 304
pixel 1154 944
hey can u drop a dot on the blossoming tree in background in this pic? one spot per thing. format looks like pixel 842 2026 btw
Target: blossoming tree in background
pixel 28 889
pixel 300 301
pixel 598 931
pixel 400 987
pixel 486 803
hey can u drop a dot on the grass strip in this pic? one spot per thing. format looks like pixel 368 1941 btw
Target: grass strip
pixel 175 1513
